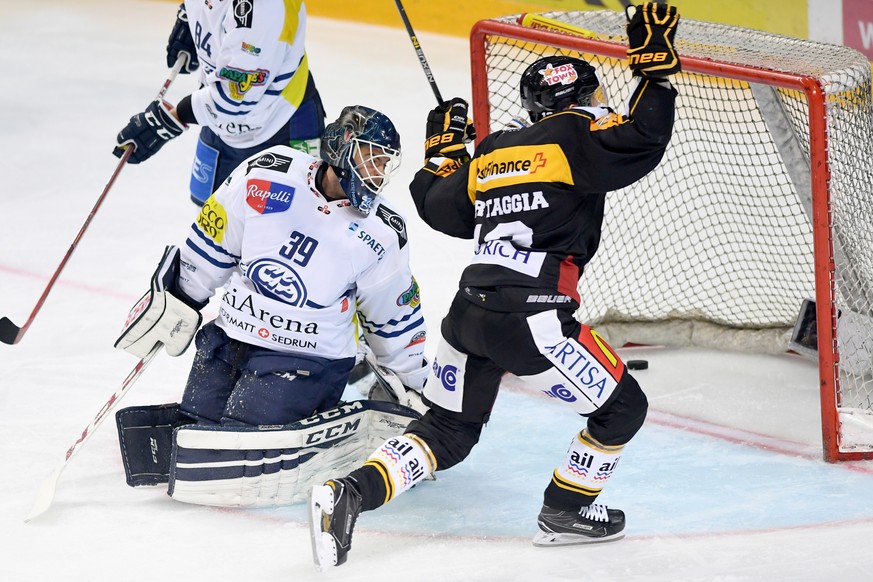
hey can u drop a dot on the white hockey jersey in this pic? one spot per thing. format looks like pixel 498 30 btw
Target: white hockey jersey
pixel 295 267
pixel 253 66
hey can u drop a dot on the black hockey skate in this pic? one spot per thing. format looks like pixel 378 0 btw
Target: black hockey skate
pixel 333 510
pixel 591 524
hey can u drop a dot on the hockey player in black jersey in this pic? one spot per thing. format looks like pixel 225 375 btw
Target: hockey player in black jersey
pixel 532 200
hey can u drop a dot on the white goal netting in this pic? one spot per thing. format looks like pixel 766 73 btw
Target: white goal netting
pixel 717 246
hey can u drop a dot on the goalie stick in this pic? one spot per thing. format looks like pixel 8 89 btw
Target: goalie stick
pixel 421 58
pixel 46 492
pixel 9 332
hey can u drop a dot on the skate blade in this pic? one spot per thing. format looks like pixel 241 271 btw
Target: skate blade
pixel 547 539
pixel 323 545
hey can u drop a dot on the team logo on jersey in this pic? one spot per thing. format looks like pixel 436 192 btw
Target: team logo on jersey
pixel 395 221
pixel 520 165
pixel 242 13
pixel 212 220
pixel 267 197
pixel 609 120
pixel 411 296
pixel 270 161
pixel 277 280
pixel 241 80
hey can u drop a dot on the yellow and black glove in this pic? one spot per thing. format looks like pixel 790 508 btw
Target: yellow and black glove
pixel 448 130
pixel 650 32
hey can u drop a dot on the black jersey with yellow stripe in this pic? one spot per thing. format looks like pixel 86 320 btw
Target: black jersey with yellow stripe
pixel 533 198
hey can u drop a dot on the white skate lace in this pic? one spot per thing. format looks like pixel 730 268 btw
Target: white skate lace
pixel 594 512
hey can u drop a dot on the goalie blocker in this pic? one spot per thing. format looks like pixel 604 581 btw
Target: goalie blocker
pixel 164 314
pixel 245 466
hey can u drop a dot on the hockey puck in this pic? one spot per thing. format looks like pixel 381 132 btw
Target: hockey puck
pixel 637 364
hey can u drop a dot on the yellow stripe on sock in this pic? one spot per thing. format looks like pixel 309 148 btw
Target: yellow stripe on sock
pixel 431 459
pixel 589 441
pixel 383 471
pixel 563 484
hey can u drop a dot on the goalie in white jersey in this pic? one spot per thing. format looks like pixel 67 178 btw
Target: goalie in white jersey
pixel 299 245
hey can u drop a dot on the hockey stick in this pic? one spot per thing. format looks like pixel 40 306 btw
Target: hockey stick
pixel 9 332
pixel 395 392
pixel 421 58
pixel 389 390
pixel 46 492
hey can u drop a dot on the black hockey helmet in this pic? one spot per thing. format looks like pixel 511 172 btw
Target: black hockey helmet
pixel 551 83
pixel 363 148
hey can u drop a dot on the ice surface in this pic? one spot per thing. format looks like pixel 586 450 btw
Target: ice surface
pixel 725 482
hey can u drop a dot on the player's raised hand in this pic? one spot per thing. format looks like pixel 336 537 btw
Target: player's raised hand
pixel 448 130
pixel 651 28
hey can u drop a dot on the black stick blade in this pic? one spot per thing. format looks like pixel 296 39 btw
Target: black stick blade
pixel 8 331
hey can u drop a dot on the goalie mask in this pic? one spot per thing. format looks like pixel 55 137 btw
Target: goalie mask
pixel 551 84
pixel 363 148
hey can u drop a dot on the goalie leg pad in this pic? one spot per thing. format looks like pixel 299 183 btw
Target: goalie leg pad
pixel 233 466
pixel 145 434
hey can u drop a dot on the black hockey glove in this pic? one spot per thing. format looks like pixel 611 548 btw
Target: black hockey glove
pixel 181 42
pixel 449 130
pixel 650 33
pixel 147 132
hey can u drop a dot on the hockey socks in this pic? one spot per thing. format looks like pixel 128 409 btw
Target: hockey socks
pixel 393 468
pixel 583 474
pixel 569 515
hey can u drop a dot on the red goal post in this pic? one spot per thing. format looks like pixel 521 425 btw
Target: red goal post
pixel 764 199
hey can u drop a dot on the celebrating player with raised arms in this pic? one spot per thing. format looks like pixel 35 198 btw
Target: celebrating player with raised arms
pixel 532 200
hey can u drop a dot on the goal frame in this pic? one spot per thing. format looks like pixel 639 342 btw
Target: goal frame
pixel 823 245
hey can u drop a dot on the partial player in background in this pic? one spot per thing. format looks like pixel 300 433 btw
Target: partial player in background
pixel 256 88
pixel 532 199
pixel 296 244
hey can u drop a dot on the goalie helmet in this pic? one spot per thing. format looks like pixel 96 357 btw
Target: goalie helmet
pixel 363 148
pixel 551 84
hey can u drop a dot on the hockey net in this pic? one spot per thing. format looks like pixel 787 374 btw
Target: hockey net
pixel 764 199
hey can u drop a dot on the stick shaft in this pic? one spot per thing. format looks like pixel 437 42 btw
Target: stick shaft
pixel 418 51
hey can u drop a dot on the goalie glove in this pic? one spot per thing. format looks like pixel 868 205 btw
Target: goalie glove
pixel 651 28
pixel 148 131
pixel 389 387
pixel 182 43
pixel 449 130
pixel 160 316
